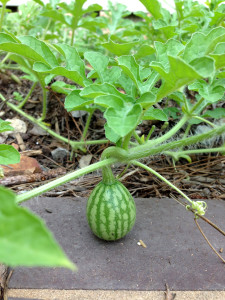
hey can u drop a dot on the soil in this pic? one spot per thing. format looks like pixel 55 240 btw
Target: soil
pixel 203 178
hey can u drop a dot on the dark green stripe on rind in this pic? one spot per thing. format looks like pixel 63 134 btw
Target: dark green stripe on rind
pixel 111 211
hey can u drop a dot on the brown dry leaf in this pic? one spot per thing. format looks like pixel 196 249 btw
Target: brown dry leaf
pixel 3 277
pixel 27 165
pixel 168 294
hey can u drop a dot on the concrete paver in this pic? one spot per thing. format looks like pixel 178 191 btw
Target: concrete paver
pixel 176 252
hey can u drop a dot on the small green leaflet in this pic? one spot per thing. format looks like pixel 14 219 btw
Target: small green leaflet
pixel 154 7
pixel 210 92
pixel 147 99
pixel 143 51
pixel 24 238
pixel 5 126
pixel 125 120
pixel 8 155
pixel 217 113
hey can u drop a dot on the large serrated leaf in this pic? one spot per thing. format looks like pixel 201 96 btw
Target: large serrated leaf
pixel 123 121
pixel 24 238
pixel 155 114
pixel 154 7
pixel 56 16
pixel 74 102
pixel 110 134
pixel 98 61
pixel 200 44
pixel 119 49
pixel 179 74
pixel 28 47
pixel 219 55
pixel 109 101
pixel 74 69
pixel 41 48
pixel 95 90
pixel 130 67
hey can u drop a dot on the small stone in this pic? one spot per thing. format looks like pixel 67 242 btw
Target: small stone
pixel 37 130
pixel 2 139
pixel 59 154
pixel 85 161
pixel 78 113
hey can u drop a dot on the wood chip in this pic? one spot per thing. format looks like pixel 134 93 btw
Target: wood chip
pixel 3 278
pixel 142 244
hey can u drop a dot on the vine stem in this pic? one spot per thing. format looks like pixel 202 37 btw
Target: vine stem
pixel 138 139
pixel 150 170
pixel 208 242
pixel 150 132
pixel 73 144
pixel 44 103
pixel 2 14
pixel 197 151
pixel 46 29
pixel 87 126
pixel 59 181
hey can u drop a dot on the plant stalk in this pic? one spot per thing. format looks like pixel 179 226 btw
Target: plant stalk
pixel 87 126
pixel 196 151
pixel 28 95
pixel 145 150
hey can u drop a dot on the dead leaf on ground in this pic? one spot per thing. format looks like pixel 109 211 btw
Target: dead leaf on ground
pixel 168 294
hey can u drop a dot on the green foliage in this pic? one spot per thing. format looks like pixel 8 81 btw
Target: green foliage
pixel 17 231
pixel 8 154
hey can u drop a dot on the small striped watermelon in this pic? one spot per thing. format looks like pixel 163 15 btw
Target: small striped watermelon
pixel 111 211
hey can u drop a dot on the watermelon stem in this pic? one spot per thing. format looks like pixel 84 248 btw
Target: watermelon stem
pixel 107 175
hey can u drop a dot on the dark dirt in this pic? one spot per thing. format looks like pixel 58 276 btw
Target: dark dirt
pixel 203 178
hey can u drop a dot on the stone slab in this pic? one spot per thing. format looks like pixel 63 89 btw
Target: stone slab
pixel 114 295
pixel 176 252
